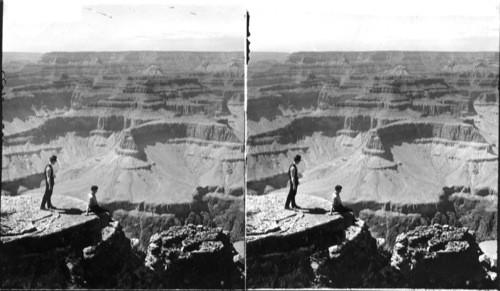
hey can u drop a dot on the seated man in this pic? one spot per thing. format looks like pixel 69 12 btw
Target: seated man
pixel 337 203
pixel 93 205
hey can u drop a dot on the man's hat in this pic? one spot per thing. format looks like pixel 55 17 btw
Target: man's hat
pixel 53 158
pixel 94 188
pixel 297 158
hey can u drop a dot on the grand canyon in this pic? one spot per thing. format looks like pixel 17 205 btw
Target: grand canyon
pixel 413 139
pixel 160 133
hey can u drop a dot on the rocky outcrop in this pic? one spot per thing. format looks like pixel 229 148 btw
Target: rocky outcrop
pixel 142 221
pixel 194 257
pixel 306 248
pixel 351 262
pixel 442 257
pixel 112 263
pixel 65 249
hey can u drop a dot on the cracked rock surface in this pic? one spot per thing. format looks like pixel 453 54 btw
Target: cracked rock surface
pixel 442 256
pixel 194 257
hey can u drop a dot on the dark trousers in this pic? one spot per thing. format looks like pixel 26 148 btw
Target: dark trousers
pixel 342 209
pixel 46 198
pixel 291 197
pixel 98 209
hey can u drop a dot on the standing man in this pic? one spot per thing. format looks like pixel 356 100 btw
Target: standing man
pixel 49 184
pixel 294 182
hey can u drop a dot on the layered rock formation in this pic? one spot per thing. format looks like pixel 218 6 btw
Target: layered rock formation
pixel 442 257
pixel 194 257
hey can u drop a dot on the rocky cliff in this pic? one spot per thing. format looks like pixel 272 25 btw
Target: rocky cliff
pixel 65 249
pixel 194 257
pixel 442 257
pixel 307 248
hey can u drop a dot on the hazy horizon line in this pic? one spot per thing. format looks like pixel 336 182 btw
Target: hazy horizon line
pixel 124 51
pixel 255 51
pixel 395 50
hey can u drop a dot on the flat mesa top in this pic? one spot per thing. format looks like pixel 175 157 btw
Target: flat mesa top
pixel 266 215
pixel 21 216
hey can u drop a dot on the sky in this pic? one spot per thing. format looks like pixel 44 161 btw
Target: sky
pixel 365 25
pixel 90 25
pixel 275 25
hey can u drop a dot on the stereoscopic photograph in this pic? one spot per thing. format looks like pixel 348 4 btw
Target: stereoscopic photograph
pixel 249 144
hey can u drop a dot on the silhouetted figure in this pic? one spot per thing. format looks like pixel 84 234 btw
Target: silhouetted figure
pixel 337 205
pixel 93 206
pixel 49 184
pixel 294 183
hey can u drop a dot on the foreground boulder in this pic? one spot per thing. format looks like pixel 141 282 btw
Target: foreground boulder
pixel 194 257
pixel 442 256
